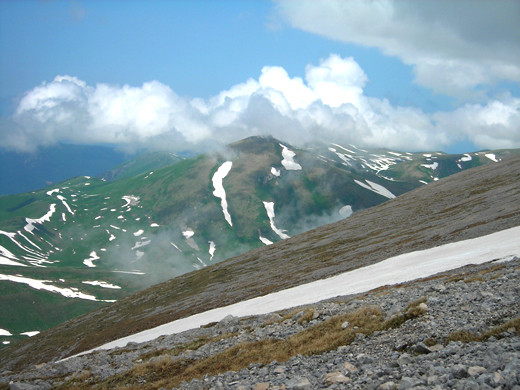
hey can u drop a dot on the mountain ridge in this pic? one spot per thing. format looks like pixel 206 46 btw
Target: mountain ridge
pixel 488 202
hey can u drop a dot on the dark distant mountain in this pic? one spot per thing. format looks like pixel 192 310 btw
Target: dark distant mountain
pixel 22 172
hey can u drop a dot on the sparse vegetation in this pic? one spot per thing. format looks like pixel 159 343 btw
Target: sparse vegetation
pixel 326 336
pixel 467 337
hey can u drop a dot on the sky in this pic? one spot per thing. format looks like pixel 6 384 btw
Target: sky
pixel 195 75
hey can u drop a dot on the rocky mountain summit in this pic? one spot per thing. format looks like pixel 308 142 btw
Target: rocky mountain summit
pixel 455 330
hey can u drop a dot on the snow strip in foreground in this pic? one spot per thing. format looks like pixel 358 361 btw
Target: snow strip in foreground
pixel 394 270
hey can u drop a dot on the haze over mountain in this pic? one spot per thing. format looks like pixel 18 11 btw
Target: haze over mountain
pixel 470 204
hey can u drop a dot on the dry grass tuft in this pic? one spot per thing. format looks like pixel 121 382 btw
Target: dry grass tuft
pixel 326 336
pixel 414 310
pixel 476 278
pixel 497 332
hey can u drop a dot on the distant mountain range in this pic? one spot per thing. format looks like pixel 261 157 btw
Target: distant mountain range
pixel 22 172
pixel 78 244
pixel 469 204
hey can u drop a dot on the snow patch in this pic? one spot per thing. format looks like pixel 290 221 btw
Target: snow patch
pixel 101 284
pixel 47 217
pixel 219 192
pixel 466 157
pixel 42 285
pixel 378 189
pixel 269 207
pixel 345 211
pixel 188 233
pixel 4 332
pixel 30 334
pixel 266 241
pixel 175 246
pixel 154 225
pixel 141 243
pixel 52 191
pixel 212 248
pixel 89 262
pixel 131 200
pixel 275 171
pixel 139 232
pixel 431 166
pixel 63 200
pixel 288 159
pixel 491 156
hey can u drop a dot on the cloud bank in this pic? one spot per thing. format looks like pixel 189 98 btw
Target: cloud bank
pixel 453 46
pixel 328 105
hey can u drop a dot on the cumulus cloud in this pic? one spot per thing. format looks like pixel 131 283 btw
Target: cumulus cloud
pixel 454 46
pixel 328 105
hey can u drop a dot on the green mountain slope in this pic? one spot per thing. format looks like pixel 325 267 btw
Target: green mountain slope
pixel 467 205
pixel 142 163
pixel 95 241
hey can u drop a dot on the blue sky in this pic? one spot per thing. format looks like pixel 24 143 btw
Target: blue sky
pixel 192 74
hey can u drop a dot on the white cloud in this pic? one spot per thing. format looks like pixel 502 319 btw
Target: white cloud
pixel 453 46
pixel 328 105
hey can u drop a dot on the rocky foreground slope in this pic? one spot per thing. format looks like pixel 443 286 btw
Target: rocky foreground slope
pixel 456 330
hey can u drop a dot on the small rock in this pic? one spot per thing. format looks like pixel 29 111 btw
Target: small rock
pixel 261 386
pixel 476 371
pixel 349 367
pixel 335 377
pixel 421 348
pixel 459 371
pixel 299 383
pixel 345 325
pixel 387 386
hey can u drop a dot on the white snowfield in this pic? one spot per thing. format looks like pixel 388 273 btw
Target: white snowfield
pixel 101 284
pixel 374 187
pixel 47 217
pixel 288 159
pixel 220 192
pixel 269 207
pixel 42 285
pixel 503 245
pixel 491 156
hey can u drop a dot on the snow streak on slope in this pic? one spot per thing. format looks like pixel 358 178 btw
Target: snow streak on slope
pixel 101 284
pixel 266 241
pixel 219 188
pixel 47 217
pixel 63 200
pixel 491 156
pixel 502 245
pixel 288 159
pixel 378 189
pixel 89 262
pixel 269 207
pixel 212 248
pixel 42 285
